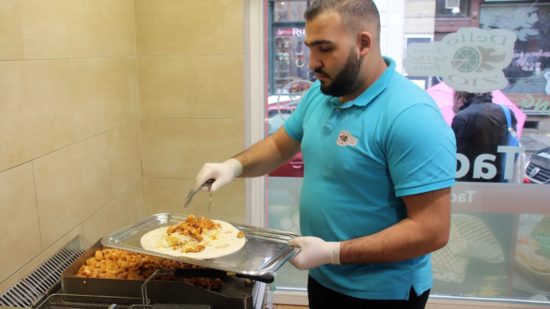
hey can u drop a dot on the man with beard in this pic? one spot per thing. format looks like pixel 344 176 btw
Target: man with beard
pixel 379 163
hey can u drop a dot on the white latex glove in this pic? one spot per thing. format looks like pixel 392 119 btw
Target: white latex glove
pixel 315 252
pixel 222 173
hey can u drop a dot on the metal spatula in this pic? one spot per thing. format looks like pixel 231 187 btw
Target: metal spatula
pixel 192 193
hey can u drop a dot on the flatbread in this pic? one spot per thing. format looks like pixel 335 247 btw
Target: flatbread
pixel 225 243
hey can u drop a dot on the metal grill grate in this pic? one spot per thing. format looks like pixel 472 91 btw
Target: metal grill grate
pixel 36 285
pixel 62 301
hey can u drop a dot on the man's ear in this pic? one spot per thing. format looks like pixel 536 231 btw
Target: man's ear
pixel 365 43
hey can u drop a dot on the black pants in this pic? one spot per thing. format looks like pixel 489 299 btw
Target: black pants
pixel 322 298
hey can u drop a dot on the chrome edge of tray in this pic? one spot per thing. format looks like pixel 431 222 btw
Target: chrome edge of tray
pixel 117 240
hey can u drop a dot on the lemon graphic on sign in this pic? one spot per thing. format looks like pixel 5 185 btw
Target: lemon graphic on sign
pixel 466 59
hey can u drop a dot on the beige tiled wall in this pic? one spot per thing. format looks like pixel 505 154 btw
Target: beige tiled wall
pixel 70 158
pixel 107 111
pixel 190 68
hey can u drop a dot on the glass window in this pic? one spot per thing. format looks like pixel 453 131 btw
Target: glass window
pixel 451 8
pixel 284 11
pixel 531 23
pixel 289 78
pixel 288 54
pixel 500 236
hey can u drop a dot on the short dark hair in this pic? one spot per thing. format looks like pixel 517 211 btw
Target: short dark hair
pixel 353 12
pixel 469 96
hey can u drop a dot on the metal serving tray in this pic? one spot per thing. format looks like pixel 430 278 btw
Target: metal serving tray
pixel 264 252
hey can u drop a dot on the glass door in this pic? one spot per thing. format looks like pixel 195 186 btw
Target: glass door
pixel 289 78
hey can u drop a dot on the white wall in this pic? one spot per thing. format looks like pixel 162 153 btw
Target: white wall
pixel 392 37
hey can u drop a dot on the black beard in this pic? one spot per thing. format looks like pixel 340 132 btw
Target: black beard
pixel 345 79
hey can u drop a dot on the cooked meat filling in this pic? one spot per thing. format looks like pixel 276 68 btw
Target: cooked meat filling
pixel 192 234
pixel 120 264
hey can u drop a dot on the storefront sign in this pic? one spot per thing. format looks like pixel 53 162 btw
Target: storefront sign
pixel 487 197
pixel 484 165
pixel 296 32
pixel 466 197
pixel 536 105
pixel 468 60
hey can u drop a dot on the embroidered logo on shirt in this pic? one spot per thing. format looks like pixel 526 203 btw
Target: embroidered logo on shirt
pixel 346 139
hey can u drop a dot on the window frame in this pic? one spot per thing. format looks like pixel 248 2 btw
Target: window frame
pixel 452 24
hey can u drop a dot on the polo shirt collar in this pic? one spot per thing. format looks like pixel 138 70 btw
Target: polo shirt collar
pixel 372 91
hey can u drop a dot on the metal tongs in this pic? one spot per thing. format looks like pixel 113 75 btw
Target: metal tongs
pixel 192 193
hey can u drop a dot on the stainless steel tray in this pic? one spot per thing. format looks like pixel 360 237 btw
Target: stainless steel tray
pixel 264 252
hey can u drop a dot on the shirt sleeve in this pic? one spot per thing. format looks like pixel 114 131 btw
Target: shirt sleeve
pixel 421 151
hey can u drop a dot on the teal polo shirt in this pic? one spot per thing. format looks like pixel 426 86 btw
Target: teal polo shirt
pixel 360 158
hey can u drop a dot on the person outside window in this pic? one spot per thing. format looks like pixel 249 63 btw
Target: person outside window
pixel 379 164
pixel 480 126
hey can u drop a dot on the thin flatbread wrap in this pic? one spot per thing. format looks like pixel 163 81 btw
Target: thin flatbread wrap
pixel 222 241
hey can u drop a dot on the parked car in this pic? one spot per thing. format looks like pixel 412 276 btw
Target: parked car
pixel 292 168
pixel 279 109
pixel 538 167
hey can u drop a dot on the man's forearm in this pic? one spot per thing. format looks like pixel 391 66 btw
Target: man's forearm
pixel 399 242
pixel 267 154
pixel 259 159
pixel 425 230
